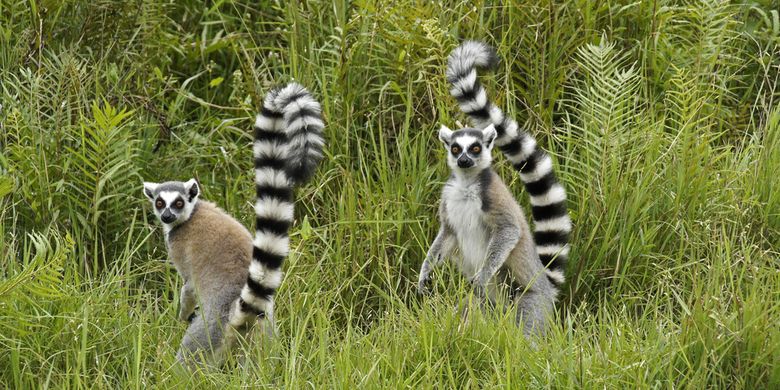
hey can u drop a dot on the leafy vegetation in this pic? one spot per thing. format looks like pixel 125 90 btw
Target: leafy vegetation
pixel 663 116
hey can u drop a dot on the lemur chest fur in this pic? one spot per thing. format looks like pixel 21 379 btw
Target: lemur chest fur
pixel 464 213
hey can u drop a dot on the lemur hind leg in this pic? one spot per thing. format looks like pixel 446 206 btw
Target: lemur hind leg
pixel 201 340
pixel 534 309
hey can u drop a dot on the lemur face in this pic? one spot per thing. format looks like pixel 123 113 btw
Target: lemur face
pixel 468 149
pixel 172 201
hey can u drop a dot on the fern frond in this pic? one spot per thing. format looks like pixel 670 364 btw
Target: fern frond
pixel 38 282
pixel 102 169
pixel 604 103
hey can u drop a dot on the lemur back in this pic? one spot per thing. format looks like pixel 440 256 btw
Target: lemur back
pixel 211 234
pixel 232 275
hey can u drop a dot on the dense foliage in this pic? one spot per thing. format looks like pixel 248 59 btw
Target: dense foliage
pixel 663 117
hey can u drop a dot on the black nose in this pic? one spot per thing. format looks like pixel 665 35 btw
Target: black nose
pixel 167 217
pixel 465 162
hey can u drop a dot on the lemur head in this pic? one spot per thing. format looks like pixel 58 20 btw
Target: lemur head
pixel 172 201
pixel 468 150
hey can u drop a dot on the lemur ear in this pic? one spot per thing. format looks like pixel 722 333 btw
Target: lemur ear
pixel 149 188
pixel 445 134
pixel 192 189
pixel 489 135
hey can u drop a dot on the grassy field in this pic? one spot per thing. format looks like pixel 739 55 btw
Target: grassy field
pixel 663 118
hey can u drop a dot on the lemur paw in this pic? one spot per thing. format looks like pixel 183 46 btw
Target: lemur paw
pixel 422 289
pixel 479 288
pixel 187 316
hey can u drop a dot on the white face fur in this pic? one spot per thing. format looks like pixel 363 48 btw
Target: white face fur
pixel 468 150
pixel 172 201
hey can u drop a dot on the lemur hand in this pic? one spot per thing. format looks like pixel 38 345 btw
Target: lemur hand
pixel 480 285
pixel 422 288
pixel 187 314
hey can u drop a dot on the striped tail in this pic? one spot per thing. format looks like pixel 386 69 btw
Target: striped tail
pixel 552 225
pixel 287 149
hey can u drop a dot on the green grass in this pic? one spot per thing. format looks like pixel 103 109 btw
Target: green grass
pixel 663 117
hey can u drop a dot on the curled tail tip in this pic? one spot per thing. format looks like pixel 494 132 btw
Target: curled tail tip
pixel 269 102
pixel 304 170
pixel 292 99
pixel 269 117
pixel 469 55
pixel 282 96
pixel 485 55
pixel 304 126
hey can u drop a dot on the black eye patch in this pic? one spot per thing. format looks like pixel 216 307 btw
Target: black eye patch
pixel 455 149
pixel 475 148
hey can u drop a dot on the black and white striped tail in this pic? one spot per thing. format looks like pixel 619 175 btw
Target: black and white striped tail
pixel 552 225
pixel 303 126
pixel 287 148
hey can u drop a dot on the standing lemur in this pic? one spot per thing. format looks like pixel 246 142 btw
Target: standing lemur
pixel 478 214
pixel 233 277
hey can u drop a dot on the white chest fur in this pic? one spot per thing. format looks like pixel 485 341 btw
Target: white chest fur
pixel 464 214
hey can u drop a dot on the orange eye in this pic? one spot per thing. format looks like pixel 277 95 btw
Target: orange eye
pixel 476 149
pixel 179 204
pixel 455 149
pixel 159 204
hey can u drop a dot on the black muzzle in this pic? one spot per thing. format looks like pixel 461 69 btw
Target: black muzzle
pixel 465 162
pixel 167 217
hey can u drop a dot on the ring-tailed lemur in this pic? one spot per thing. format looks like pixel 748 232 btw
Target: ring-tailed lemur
pixel 478 214
pixel 232 276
